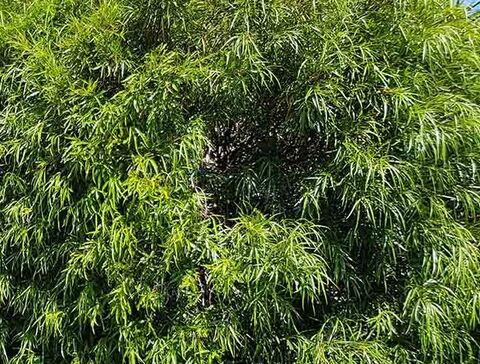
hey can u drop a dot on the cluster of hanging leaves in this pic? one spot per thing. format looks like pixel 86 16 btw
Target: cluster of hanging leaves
pixel 239 181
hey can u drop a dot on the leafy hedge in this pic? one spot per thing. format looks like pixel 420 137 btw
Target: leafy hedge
pixel 212 181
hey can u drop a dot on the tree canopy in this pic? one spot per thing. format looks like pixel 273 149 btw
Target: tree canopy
pixel 239 181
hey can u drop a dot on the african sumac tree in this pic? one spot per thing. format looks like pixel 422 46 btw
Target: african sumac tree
pixel 210 181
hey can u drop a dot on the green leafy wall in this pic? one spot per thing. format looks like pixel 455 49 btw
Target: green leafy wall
pixel 212 181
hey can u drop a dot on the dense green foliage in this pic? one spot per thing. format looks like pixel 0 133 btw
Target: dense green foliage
pixel 214 181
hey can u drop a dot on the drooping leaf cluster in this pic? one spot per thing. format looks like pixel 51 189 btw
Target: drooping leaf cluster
pixel 242 181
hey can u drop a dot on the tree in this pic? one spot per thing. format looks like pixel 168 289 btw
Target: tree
pixel 210 181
